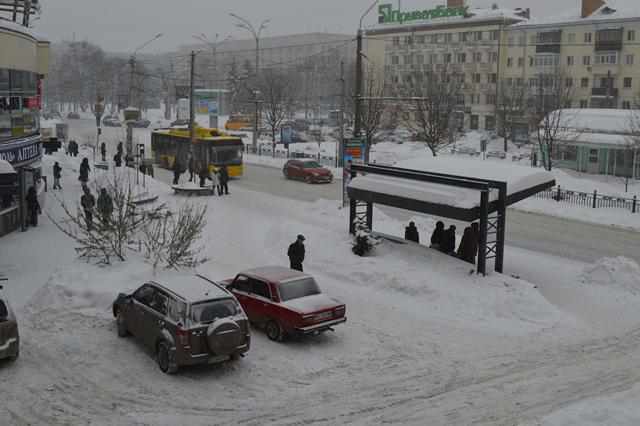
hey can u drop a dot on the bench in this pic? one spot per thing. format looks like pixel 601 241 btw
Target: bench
pixel 193 190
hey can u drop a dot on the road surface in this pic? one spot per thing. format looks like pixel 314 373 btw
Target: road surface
pixel 571 239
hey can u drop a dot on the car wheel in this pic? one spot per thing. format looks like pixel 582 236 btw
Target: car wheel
pixel 274 331
pixel 122 325
pixel 286 174
pixel 15 357
pixel 308 179
pixel 163 359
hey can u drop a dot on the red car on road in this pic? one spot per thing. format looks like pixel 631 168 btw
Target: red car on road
pixel 307 170
pixel 285 302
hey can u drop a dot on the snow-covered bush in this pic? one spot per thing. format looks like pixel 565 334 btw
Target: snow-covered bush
pixel 363 241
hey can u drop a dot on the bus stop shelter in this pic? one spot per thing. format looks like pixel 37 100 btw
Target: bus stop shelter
pixel 472 190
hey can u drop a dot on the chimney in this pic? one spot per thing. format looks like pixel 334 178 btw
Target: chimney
pixel 455 3
pixel 590 6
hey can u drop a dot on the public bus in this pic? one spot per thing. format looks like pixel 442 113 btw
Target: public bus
pixel 210 145
pixel 239 122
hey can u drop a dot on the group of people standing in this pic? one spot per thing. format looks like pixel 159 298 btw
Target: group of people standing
pixel 219 178
pixel 444 240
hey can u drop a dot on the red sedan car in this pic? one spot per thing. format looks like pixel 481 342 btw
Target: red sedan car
pixel 285 302
pixel 307 170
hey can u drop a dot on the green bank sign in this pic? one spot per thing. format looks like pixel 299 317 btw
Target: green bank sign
pixel 389 16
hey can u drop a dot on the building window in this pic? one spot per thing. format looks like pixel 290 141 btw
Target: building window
pixel 609 58
pixel 631 35
pixel 627 82
pixel 461 58
pixel 509 81
pixel 474 122
pixel 628 59
pixel 586 60
pixel 593 155
pixel 447 58
pixel 493 57
pixel 568 82
pixel 572 38
pixel 448 38
pixel 493 35
pixel 477 36
pixel 434 38
pixel 464 37
pixel 396 41
pixel 476 78
pixel 420 39
pixel 490 122
pixel 587 37
pixel 569 60
pixel 509 62
pixel 420 59
pixel 584 82
pixel 626 105
pixel 491 100
pixel 408 40
pixel 395 60
pixel 433 58
pixel 533 82
pixel 584 103
pixel 477 57
pixel 492 78
pixel 519 81
pixel 520 62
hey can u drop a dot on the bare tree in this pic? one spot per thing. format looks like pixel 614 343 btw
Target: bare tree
pixel 511 109
pixel 434 100
pixel 277 97
pixel 554 93
pixel 371 110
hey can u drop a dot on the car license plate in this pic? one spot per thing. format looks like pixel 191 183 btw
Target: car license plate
pixel 218 358
pixel 324 316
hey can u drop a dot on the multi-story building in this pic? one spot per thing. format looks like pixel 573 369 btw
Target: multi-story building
pixel 23 64
pixel 453 39
pixel 594 48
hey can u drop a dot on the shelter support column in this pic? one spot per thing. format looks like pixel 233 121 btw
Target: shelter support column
pixel 370 216
pixel 502 224
pixel 482 243
pixel 352 215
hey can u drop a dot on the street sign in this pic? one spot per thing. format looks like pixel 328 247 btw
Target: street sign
pixel 353 149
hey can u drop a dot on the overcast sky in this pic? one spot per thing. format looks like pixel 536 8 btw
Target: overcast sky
pixel 123 25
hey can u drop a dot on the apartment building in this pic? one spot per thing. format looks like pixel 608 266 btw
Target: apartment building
pixel 595 47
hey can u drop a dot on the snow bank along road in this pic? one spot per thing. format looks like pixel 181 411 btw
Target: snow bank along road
pixel 426 343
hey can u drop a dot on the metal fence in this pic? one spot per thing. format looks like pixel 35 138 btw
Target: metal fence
pixel 590 199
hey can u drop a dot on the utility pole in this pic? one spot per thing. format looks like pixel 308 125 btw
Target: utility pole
pixel 132 65
pixel 191 100
pixel 359 77
pixel 343 96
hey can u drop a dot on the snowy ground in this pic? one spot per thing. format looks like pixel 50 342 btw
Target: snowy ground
pixel 426 342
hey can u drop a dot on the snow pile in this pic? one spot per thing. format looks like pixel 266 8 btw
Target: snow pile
pixel 619 273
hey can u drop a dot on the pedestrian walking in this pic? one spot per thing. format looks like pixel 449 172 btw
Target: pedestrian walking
pixel 57 174
pixel 84 171
pixel 33 206
pixel 296 253
pixel 411 233
pixel 176 172
pixel 215 181
pixel 118 159
pixel 105 206
pixel 88 202
pixel 192 168
pixel 466 250
pixel 103 151
pixel 437 236
pixel 73 148
pixel 224 180
pixel 203 175
pixel 449 240
pixel 119 148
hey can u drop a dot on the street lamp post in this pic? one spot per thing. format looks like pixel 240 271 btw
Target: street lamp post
pixel 359 74
pixel 246 25
pixel 214 50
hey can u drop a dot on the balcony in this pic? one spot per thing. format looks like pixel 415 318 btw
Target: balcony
pixel 610 39
pixel 549 42
pixel 604 91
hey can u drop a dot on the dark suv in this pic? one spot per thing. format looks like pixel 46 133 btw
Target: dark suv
pixel 9 337
pixel 184 320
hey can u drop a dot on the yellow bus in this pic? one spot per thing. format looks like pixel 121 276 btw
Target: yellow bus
pixel 239 122
pixel 210 145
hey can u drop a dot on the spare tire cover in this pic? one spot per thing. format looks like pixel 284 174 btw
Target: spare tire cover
pixel 224 336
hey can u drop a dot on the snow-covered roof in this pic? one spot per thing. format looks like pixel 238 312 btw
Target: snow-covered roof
pixel 192 288
pixel 612 10
pixel 518 178
pixel 597 126
pixel 6 168
pixel 14 27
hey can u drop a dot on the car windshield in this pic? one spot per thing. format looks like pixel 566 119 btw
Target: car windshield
pixel 298 288
pixel 311 165
pixel 4 312
pixel 212 310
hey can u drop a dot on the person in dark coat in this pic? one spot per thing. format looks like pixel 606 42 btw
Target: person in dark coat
pixel 33 206
pixel 449 240
pixel 296 253
pixel 192 169
pixel 466 249
pixel 119 149
pixel 84 171
pixel 203 175
pixel 118 159
pixel 57 174
pixel 176 172
pixel 73 148
pixel 103 151
pixel 105 206
pixel 88 202
pixel 437 236
pixel 411 233
pixel 224 180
